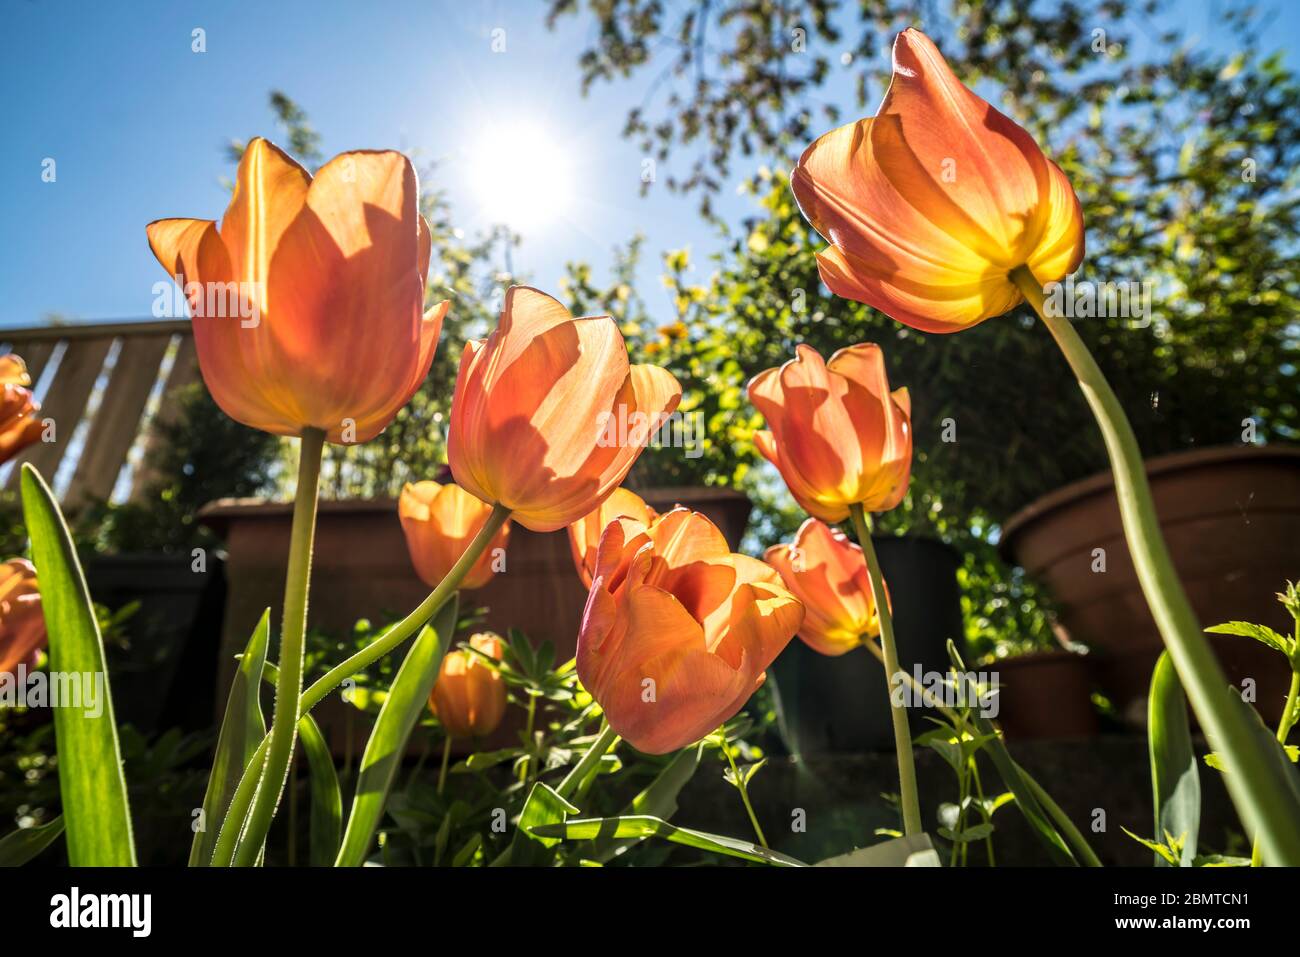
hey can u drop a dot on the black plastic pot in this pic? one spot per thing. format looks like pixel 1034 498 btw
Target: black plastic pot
pixel 163 677
pixel 841 705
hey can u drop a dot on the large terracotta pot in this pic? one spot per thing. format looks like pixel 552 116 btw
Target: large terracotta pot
pixel 361 569
pixel 1231 518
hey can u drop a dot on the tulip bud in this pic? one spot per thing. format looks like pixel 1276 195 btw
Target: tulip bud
pixel 439 522
pixel 837 435
pixel 828 573
pixel 19 426
pixel 22 623
pixel 469 697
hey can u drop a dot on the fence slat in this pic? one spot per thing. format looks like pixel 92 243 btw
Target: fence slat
pixel 185 369
pixel 65 402
pixel 117 420
pixel 36 355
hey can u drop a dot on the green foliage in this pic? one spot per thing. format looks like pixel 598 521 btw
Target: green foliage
pixel 406 700
pixel 242 729
pixel 21 846
pixel 93 790
pixel 1175 783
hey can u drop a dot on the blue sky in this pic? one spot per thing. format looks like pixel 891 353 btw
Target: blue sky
pixel 137 124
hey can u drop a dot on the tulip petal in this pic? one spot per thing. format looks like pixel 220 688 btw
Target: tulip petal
pixel 353 252
pixel 270 191
pixel 13 370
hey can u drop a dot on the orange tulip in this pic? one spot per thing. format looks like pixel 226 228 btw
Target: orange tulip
pixel 828 573
pixel 439 522
pixel 929 205
pixel 307 300
pixel 548 414
pixel 838 435
pixel 22 623
pixel 584 534
pixel 678 632
pixel 469 697
pixel 19 426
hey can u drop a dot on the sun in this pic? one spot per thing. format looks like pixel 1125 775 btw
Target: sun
pixel 520 176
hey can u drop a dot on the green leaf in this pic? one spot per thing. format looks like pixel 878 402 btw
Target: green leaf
pixel 482 760
pixel 1262 633
pixel 95 807
pixel 1169 853
pixel 543 807
pixel 467 851
pixel 976 832
pixel 1018 783
pixel 637 826
pixel 326 796
pixel 1175 783
pixel 406 700
pixel 658 799
pixel 242 729
pixel 24 844
pixel 1214 760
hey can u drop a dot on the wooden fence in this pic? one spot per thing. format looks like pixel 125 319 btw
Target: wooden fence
pixel 105 387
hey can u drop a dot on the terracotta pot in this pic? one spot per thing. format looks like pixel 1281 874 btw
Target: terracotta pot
pixel 361 569
pixel 1231 518
pixel 1045 694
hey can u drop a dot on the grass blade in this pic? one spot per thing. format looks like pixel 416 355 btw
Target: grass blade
pixel 96 812
pixel 406 699
pixel 242 729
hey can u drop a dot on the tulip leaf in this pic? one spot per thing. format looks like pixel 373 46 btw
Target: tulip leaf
pixel 96 811
pixel 326 796
pixel 1175 782
pixel 659 799
pixel 644 825
pixel 26 843
pixel 528 848
pixel 242 729
pixel 407 699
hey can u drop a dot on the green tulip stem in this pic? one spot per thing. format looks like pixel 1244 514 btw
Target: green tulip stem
pixel 288 686
pixel 739 780
pixel 231 830
pixel 1255 779
pixel 902 734
pixel 589 763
